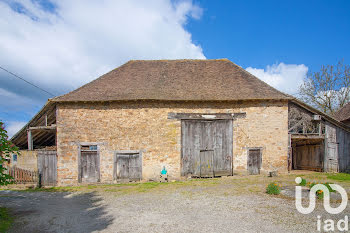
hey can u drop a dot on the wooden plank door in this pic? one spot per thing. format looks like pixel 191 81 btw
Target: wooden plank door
pixel 254 161
pixel 192 143
pixel 331 160
pixel 90 171
pixel 223 147
pixel 332 157
pixel 205 135
pixel 47 167
pixel 122 166
pixel 206 163
pixel 135 167
pixel 128 166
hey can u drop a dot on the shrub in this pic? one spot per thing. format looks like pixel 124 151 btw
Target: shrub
pixel 320 193
pixel 273 188
pixel 303 182
pixel 329 188
pixel 6 149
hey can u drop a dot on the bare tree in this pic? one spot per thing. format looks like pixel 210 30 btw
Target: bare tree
pixel 328 89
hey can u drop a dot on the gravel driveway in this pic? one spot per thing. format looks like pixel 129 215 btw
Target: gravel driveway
pixel 163 209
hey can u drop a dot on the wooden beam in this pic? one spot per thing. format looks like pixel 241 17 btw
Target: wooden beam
pixel 30 139
pixel 307 136
pixel 206 116
pixel 51 127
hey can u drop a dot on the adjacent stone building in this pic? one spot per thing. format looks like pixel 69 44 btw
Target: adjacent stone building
pixel 198 118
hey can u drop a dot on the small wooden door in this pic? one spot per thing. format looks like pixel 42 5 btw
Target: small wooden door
pixel 122 166
pixel 47 167
pixel 206 163
pixel 332 158
pixel 254 161
pixel 90 171
pixel 128 166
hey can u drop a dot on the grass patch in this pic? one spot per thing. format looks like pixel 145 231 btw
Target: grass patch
pixel 235 185
pixel 56 189
pixel 5 219
pixel 339 176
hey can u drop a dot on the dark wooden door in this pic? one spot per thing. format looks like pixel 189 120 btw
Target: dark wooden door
pixel 128 166
pixel 90 171
pixel 47 167
pixel 204 135
pixel 309 157
pixel 254 161
pixel 206 163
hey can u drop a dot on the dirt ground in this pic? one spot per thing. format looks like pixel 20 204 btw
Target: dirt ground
pixel 232 204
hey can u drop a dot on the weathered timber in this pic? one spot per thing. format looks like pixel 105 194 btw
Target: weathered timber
pixel 51 127
pixel 47 167
pixel 127 165
pixel 206 116
pixel 204 135
pixel 254 161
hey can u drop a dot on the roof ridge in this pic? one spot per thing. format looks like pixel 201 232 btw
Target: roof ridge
pixel 180 59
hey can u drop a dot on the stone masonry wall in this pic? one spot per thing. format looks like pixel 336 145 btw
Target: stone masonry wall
pixel 145 126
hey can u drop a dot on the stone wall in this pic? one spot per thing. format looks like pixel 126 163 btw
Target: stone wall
pixel 26 160
pixel 145 126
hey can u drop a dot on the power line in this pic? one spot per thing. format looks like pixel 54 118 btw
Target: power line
pixel 26 81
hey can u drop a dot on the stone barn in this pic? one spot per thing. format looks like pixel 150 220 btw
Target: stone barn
pixel 196 118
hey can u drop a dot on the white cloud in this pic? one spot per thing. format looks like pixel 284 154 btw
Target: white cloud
pixel 80 40
pixel 284 77
pixel 65 46
pixel 13 127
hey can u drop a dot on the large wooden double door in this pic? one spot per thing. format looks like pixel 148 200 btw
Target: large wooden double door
pixel 206 148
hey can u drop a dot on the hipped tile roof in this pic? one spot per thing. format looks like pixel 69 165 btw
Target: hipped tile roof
pixel 175 80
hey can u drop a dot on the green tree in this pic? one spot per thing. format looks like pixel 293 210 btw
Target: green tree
pixel 7 148
pixel 327 89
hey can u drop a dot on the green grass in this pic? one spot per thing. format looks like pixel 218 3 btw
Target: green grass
pixel 235 185
pixel 339 176
pixel 138 187
pixel 5 219
pixel 125 188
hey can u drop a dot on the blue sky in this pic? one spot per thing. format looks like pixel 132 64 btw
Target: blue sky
pixel 60 45
pixel 260 33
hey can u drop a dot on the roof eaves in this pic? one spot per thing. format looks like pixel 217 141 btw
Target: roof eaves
pixel 48 104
